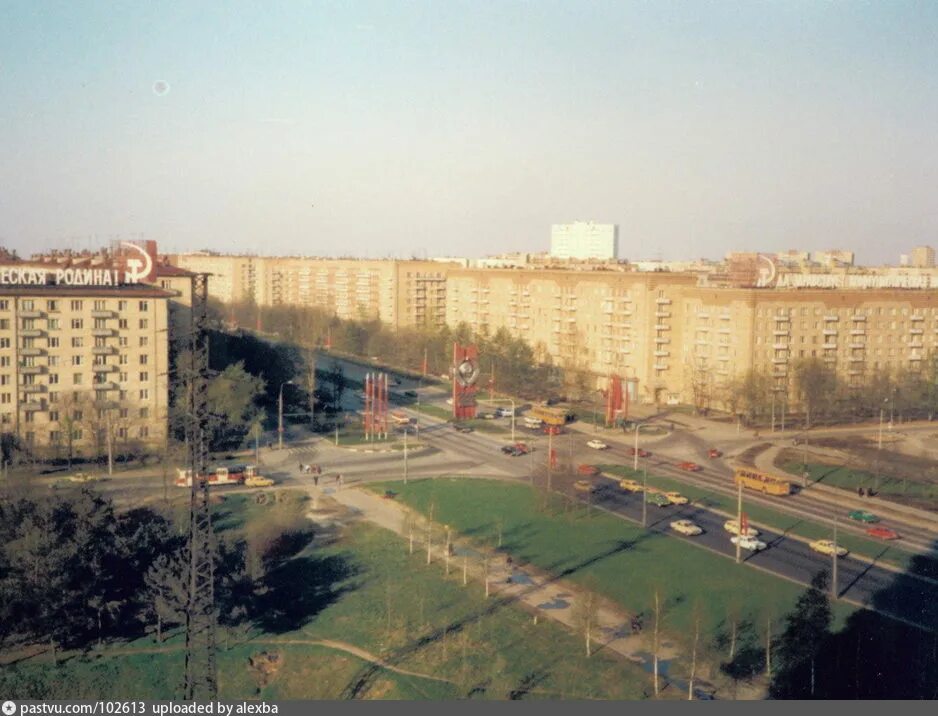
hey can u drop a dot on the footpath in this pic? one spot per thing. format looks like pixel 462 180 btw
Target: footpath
pixel 544 596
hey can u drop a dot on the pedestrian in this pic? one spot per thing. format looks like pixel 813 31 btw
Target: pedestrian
pixel 860 492
pixel 300 468
pixel 316 480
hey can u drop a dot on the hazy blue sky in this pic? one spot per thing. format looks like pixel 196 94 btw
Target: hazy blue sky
pixel 391 128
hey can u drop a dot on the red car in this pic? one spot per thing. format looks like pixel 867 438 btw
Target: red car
pixel 882 533
pixel 641 452
pixel 522 448
pixel 588 470
pixel 713 452
pixel 690 466
pixel 552 430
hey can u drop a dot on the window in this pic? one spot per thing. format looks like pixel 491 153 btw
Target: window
pixel 4 380
pixel 52 324
pixel 124 412
pixel 53 361
pixel 6 418
pixel 4 342
pixel 122 323
pixel 76 305
pixel 144 412
pixel 144 376
pixel 53 378
pixel 122 394
pixel 6 398
pixel 144 323
pixel 76 415
pixel 122 341
pixel 77 360
pixel 4 361
pixel 122 377
pixel 4 324
pixel 54 397
pixel 144 394
pixel 144 306
pixel 77 324
pixel 76 434
pixel 77 341
pixel 144 431
pixel 122 305
pixel 54 416
pixel 122 359
pixel 55 436
pixel 144 341
pixel 122 433
pixel 29 417
pixel 53 342
pixel 100 323
pixel 28 304
pixel 100 305
pixel 143 358
pixel 4 305
pixel 76 379
pixel 52 306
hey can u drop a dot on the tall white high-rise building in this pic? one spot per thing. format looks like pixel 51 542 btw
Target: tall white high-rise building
pixel 584 240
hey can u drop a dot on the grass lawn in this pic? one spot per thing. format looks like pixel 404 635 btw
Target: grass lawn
pixel 851 478
pixel 617 559
pixel 362 588
pixel 780 521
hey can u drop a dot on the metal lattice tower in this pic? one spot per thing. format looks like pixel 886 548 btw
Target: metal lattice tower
pixel 201 676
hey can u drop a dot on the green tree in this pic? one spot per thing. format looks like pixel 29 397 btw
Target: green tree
pixel 806 630
pixel 233 397
pixel 815 383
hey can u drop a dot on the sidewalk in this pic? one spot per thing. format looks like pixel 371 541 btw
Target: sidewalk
pixel 541 594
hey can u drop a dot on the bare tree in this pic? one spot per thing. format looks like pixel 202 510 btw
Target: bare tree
pixel 655 638
pixel 585 615
pixel 693 659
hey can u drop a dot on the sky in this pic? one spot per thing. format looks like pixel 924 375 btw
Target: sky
pixel 405 128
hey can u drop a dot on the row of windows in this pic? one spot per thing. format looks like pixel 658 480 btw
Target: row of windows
pixel 76 342
pixel 55 436
pixel 870 311
pixel 53 360
pixel 100 395
pixel 77 324
pixel 77 379
pixel 53 305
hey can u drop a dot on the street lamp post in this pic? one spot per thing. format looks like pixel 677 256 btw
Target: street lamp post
pixel 773 410
pixel 280 415
pixel 645 496
pixel 635 461
pixel 834 594
pixel 406 430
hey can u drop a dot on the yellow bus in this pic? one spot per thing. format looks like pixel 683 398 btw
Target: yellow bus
pixel 763 482
pixel 550 416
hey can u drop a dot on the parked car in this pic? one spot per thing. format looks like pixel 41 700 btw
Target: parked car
pixel 462 428
pixel 641 452
pixel 690 466
pixel 863 516
pixel 826 546
pixel 749 543
pixel 583 486
pixel 588 470
pixel 486 416
pixel 657 499
pixel 714 453
pixel 882 533
pixel 508 449
pixel 449 401
pixel 687 528
pixel 597 444
pixel 630 485
pixel 523 448
pixel 732 526
pixel 410 393
pixel 505 412
pixel 552 430
pixel 676 498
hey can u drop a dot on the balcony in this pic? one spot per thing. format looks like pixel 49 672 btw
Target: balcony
pixel 858 332
pixel 33 407
pixel 829 346
pixel 662 314
pixel 779 360
pixel 830 359
pixel 31 314
pixel 662 354
pixel 861 346
pixel 103 368
pixel 662 339
pixel 725 316
pixel 858 317
pixel 32 333
pixel 829 332
pixel 662 327
pixel 916 331
pixel 780 346
pixel 34 388
pixel 107 385
pixel 661 366
pixel 856 359
pixel 32 351
pixel 104 314
pixel 855 371
pixel 32 369
pixel 917 317
pixel 703 315
pixel 831 318
pixel 661 301
pixel 779 333
pixel 103 332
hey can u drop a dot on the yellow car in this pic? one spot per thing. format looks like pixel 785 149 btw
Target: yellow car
pixel 81 477
pixel 686 527
pixel 732 526
pixel 258 481
pixel 630 485
pixel 826 546
pixel 676 498
pixel 583 486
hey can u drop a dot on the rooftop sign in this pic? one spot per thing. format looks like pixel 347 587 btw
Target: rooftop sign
pixel 134 263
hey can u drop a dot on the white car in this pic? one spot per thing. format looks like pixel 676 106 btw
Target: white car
pixel 504 412
pixel 597 445
pixel 449 401
pixel 749 543
pixel 732 526
pixel 686 527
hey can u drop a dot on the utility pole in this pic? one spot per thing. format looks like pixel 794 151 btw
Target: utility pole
pixel 645 496
pixel 635 461
pixel 739 521
pixel 773 410
pixel 406 430
pixel 834 590
pixel 110 441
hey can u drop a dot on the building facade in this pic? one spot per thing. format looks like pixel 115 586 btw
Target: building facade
pixel 584 240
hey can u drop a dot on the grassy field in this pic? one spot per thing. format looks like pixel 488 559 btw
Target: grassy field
pixel 849 478
pixel 360 587
pixel 788 524
pixel 621 561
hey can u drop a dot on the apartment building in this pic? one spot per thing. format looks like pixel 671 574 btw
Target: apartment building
pixel 82 364
pixel 399 293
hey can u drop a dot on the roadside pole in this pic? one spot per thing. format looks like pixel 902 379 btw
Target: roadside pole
pixel 739 522
pixel 645 495
pixel 406 430
pixel 635 461
pixel 550 456
pixel 834 591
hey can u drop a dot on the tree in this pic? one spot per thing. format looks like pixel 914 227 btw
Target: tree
pixel 232 400
pixel 806 631
pixel 336 377
pixel 815 383
pixel 586 615
pixel 167 590
pixel 749 395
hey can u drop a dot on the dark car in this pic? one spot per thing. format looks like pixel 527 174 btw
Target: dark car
pixel 462 428
pixel 410 393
